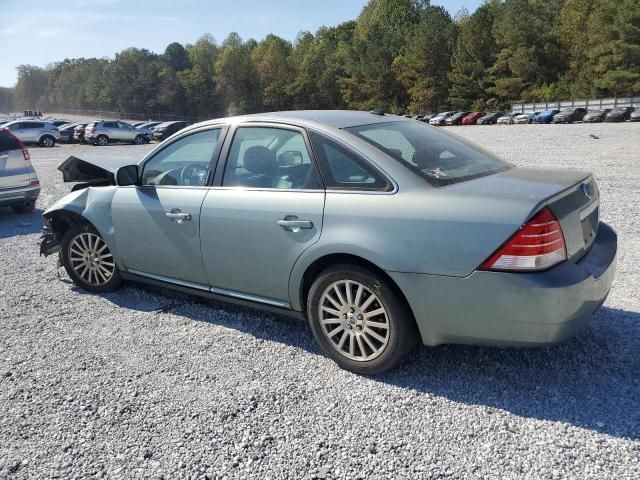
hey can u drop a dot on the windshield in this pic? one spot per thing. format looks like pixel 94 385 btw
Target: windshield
pixel 439 157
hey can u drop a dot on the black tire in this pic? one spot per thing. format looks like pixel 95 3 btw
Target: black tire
pixel 47 141
pixel 139 140
pixel 74 232
pixel 402 331
pixel 25 207
pixel 102 141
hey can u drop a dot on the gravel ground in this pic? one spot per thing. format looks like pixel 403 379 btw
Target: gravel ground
pixel 144 383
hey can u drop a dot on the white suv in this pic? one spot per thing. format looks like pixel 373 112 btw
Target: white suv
pixel 45 134
pixel 104 131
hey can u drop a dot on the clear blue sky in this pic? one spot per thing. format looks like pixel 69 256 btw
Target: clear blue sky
pixel 38 32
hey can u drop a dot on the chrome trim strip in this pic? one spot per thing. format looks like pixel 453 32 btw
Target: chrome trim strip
pixel 253 298
pixel 183 283
pixel 589 210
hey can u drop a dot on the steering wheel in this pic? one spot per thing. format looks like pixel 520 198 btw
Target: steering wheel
pixel 193 174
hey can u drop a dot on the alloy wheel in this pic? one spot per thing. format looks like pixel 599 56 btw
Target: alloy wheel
pixel 91 259
pixel 47 142
pixel 354 320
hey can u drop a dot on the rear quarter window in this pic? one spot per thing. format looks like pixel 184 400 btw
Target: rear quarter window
pixel 7 142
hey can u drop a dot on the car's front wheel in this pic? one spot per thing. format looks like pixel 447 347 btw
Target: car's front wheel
pixel 88 260
pixel 139 140
pixel 47 141
pixel 359 319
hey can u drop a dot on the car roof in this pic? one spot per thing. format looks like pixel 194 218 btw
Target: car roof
pixel 335 118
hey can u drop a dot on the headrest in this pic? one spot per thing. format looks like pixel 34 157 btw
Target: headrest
pixel 260 160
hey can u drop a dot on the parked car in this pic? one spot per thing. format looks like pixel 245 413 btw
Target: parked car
pixel 149 125
pixel 524 118
pixel 456 118
pixel 570 115
pixel 78 133
pixel 165 130
pixel 634 117
pixel 489 119
pixel 619 114
pixel 67 132
pixel 545 117
pixel 596 116
pixel 472 118
pixel 288 234
pixel 44 134
pixel 58 123
pixel 506 119
pixel 104 132
pixel 137 124
pixel 19 183
pixel 426 118
pixel 440 118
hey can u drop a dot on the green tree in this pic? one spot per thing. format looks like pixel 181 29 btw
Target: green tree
pixel 236 76
pixel 272 65
pixel 423 66
pixel 615 46
pixel 6 99
pixel 380 35
pixel 475 52
pixel 30 92
pixel 530 54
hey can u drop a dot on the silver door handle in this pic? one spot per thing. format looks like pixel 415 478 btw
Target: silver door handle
pixel 177 215
pixel 291 224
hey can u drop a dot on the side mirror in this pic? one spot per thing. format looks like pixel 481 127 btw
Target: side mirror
pixel 126 176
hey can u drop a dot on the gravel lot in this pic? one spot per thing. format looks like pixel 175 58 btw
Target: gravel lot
pixel 144 383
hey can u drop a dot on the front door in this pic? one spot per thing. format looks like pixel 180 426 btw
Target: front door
pixel 265 212
pixel 157 224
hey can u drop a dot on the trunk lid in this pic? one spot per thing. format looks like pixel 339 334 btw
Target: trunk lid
pixel 571 195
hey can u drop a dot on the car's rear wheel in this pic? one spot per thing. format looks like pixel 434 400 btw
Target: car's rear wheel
pixel 102 140
pixel 139 140
pixel 359 319
pixel 47 141
pixel 88 260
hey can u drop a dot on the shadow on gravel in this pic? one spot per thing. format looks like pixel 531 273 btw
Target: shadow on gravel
pixel 14 224
pixel 592 381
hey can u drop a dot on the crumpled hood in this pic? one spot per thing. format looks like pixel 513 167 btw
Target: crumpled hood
pixel 93 169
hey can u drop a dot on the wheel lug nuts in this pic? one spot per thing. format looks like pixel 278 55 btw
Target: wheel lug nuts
pixel 359 317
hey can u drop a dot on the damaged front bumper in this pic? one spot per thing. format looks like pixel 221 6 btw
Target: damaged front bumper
pixel 49 243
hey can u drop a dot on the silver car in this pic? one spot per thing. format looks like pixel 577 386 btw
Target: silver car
pixel 19 183
pixel 380 230
pixel 103 132
pixel 45 134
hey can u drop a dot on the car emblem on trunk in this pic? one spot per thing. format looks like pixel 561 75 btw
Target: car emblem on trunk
pixel 587 189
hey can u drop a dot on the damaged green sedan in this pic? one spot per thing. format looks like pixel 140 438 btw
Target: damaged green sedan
pixel 380 230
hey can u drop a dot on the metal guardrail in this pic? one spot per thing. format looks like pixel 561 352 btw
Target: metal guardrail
pixel 593 104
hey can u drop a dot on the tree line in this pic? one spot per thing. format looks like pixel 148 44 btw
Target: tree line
pixel 399 55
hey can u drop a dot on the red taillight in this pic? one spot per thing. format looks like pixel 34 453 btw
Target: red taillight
pixel 538 245
pixel 35 182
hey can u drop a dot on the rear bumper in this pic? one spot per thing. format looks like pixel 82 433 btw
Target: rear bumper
pixel 513 309
pixel 12 196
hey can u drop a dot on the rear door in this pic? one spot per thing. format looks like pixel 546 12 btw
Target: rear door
pixel 13 167
pixel 266 209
